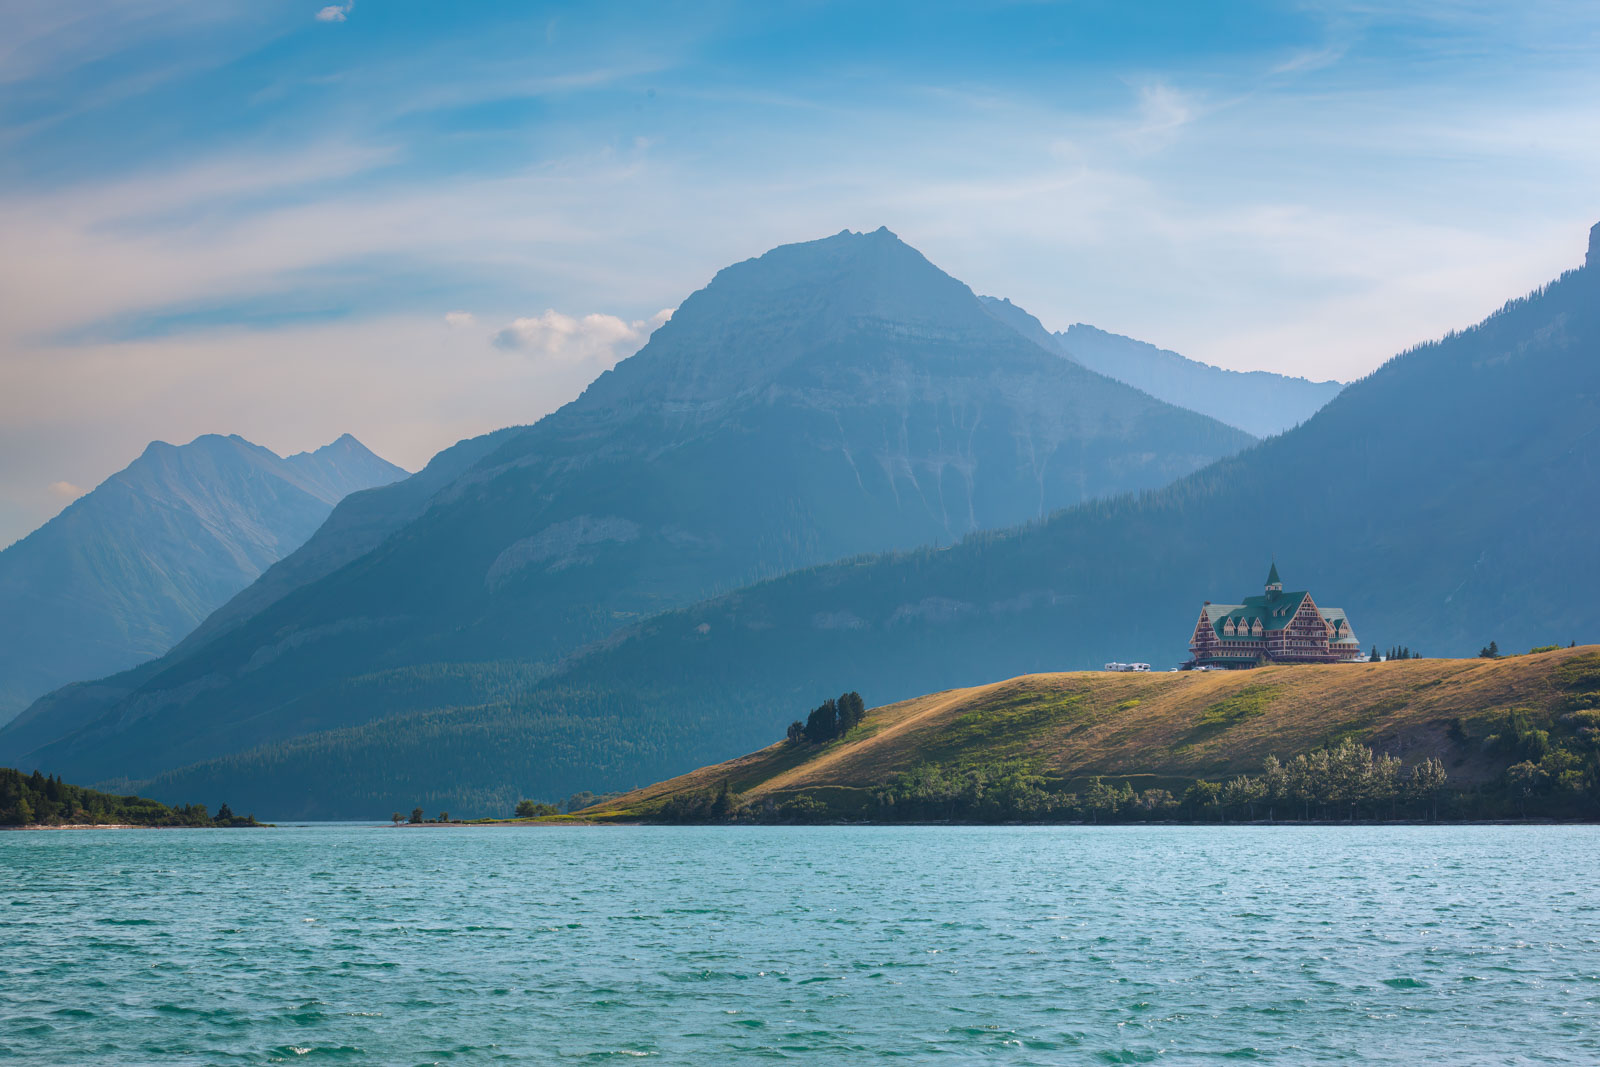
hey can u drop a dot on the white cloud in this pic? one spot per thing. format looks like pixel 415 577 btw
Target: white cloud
pixel 460 319
pixel 334 12
pixel 67 490
pixel 604 339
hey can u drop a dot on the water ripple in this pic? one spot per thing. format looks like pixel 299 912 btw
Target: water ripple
pixel 827 945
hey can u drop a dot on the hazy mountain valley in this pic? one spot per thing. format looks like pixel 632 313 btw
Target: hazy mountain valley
pixel 827 399
pixel 1398 449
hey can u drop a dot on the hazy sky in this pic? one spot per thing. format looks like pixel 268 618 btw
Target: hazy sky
pixel 420 221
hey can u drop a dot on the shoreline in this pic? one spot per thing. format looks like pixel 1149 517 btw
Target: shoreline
pixel 89 826
pixel 505 824
pixel 603 823
pixel 126 826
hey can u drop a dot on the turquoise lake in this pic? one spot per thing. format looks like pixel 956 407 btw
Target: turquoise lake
pixel 828 945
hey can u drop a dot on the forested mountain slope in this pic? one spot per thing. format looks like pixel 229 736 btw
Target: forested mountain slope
pixel 826 399
pixel 130 568
pixel 1447 500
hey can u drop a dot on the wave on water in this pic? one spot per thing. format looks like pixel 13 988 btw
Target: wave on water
pixel 824 945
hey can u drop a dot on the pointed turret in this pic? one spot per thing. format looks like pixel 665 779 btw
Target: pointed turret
pixel 1274 583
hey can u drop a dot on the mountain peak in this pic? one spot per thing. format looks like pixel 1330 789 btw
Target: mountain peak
pixel 846 278
pixel 342 466
pixel 345 442
pixel 758 318
pixel 208 444
pixel 127 569
pixel 1593 260
pixel 846 233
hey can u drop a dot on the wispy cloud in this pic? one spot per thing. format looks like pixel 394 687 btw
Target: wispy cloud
pixel 66 490
pixel 335 12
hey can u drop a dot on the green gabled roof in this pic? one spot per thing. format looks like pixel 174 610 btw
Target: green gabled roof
pixel 1266 609
pixel 1347 634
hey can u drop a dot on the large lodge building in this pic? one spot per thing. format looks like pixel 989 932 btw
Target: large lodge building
pixel 1276 627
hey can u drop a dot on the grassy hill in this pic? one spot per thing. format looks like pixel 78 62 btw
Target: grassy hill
pixel 1167 731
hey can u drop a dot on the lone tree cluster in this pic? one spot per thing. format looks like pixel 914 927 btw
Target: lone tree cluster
pixel 831 719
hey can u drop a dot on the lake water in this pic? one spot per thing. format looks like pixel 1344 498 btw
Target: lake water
pixel 827 945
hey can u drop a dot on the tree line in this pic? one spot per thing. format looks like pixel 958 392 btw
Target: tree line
pixel 45 800
pixel 831 719
pixel 1556 779
pixel 1492 650
pixel 1346 781
pixel 525 809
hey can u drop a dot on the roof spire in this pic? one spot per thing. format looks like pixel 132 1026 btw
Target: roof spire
pixel 1274 583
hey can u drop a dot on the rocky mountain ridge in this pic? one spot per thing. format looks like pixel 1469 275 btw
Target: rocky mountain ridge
pixel 127 570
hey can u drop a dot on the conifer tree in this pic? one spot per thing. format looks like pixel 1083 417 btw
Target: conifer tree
pixel 823 723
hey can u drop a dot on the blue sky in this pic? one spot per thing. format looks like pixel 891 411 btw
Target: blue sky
pixel 291 220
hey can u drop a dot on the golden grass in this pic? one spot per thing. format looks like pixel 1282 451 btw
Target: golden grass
pixel 1176 725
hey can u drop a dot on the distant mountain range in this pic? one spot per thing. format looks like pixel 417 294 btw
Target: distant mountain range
pixel 128 569
pixel 1447 500
pixel 1257 402
pixel 828 399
